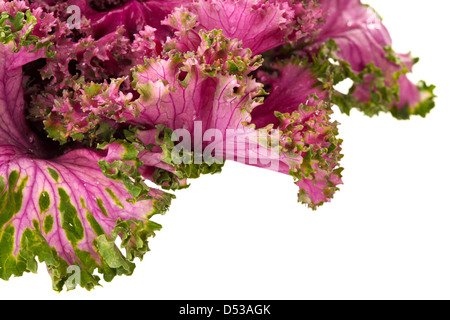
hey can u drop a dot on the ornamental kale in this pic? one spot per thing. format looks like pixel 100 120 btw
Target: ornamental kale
pixel 108 107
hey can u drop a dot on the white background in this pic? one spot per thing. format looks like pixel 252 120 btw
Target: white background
pixel 242 235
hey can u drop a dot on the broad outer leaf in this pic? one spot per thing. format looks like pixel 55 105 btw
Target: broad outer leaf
pixel 64 211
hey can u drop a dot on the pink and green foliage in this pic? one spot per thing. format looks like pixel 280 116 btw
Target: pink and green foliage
pixel 90 116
